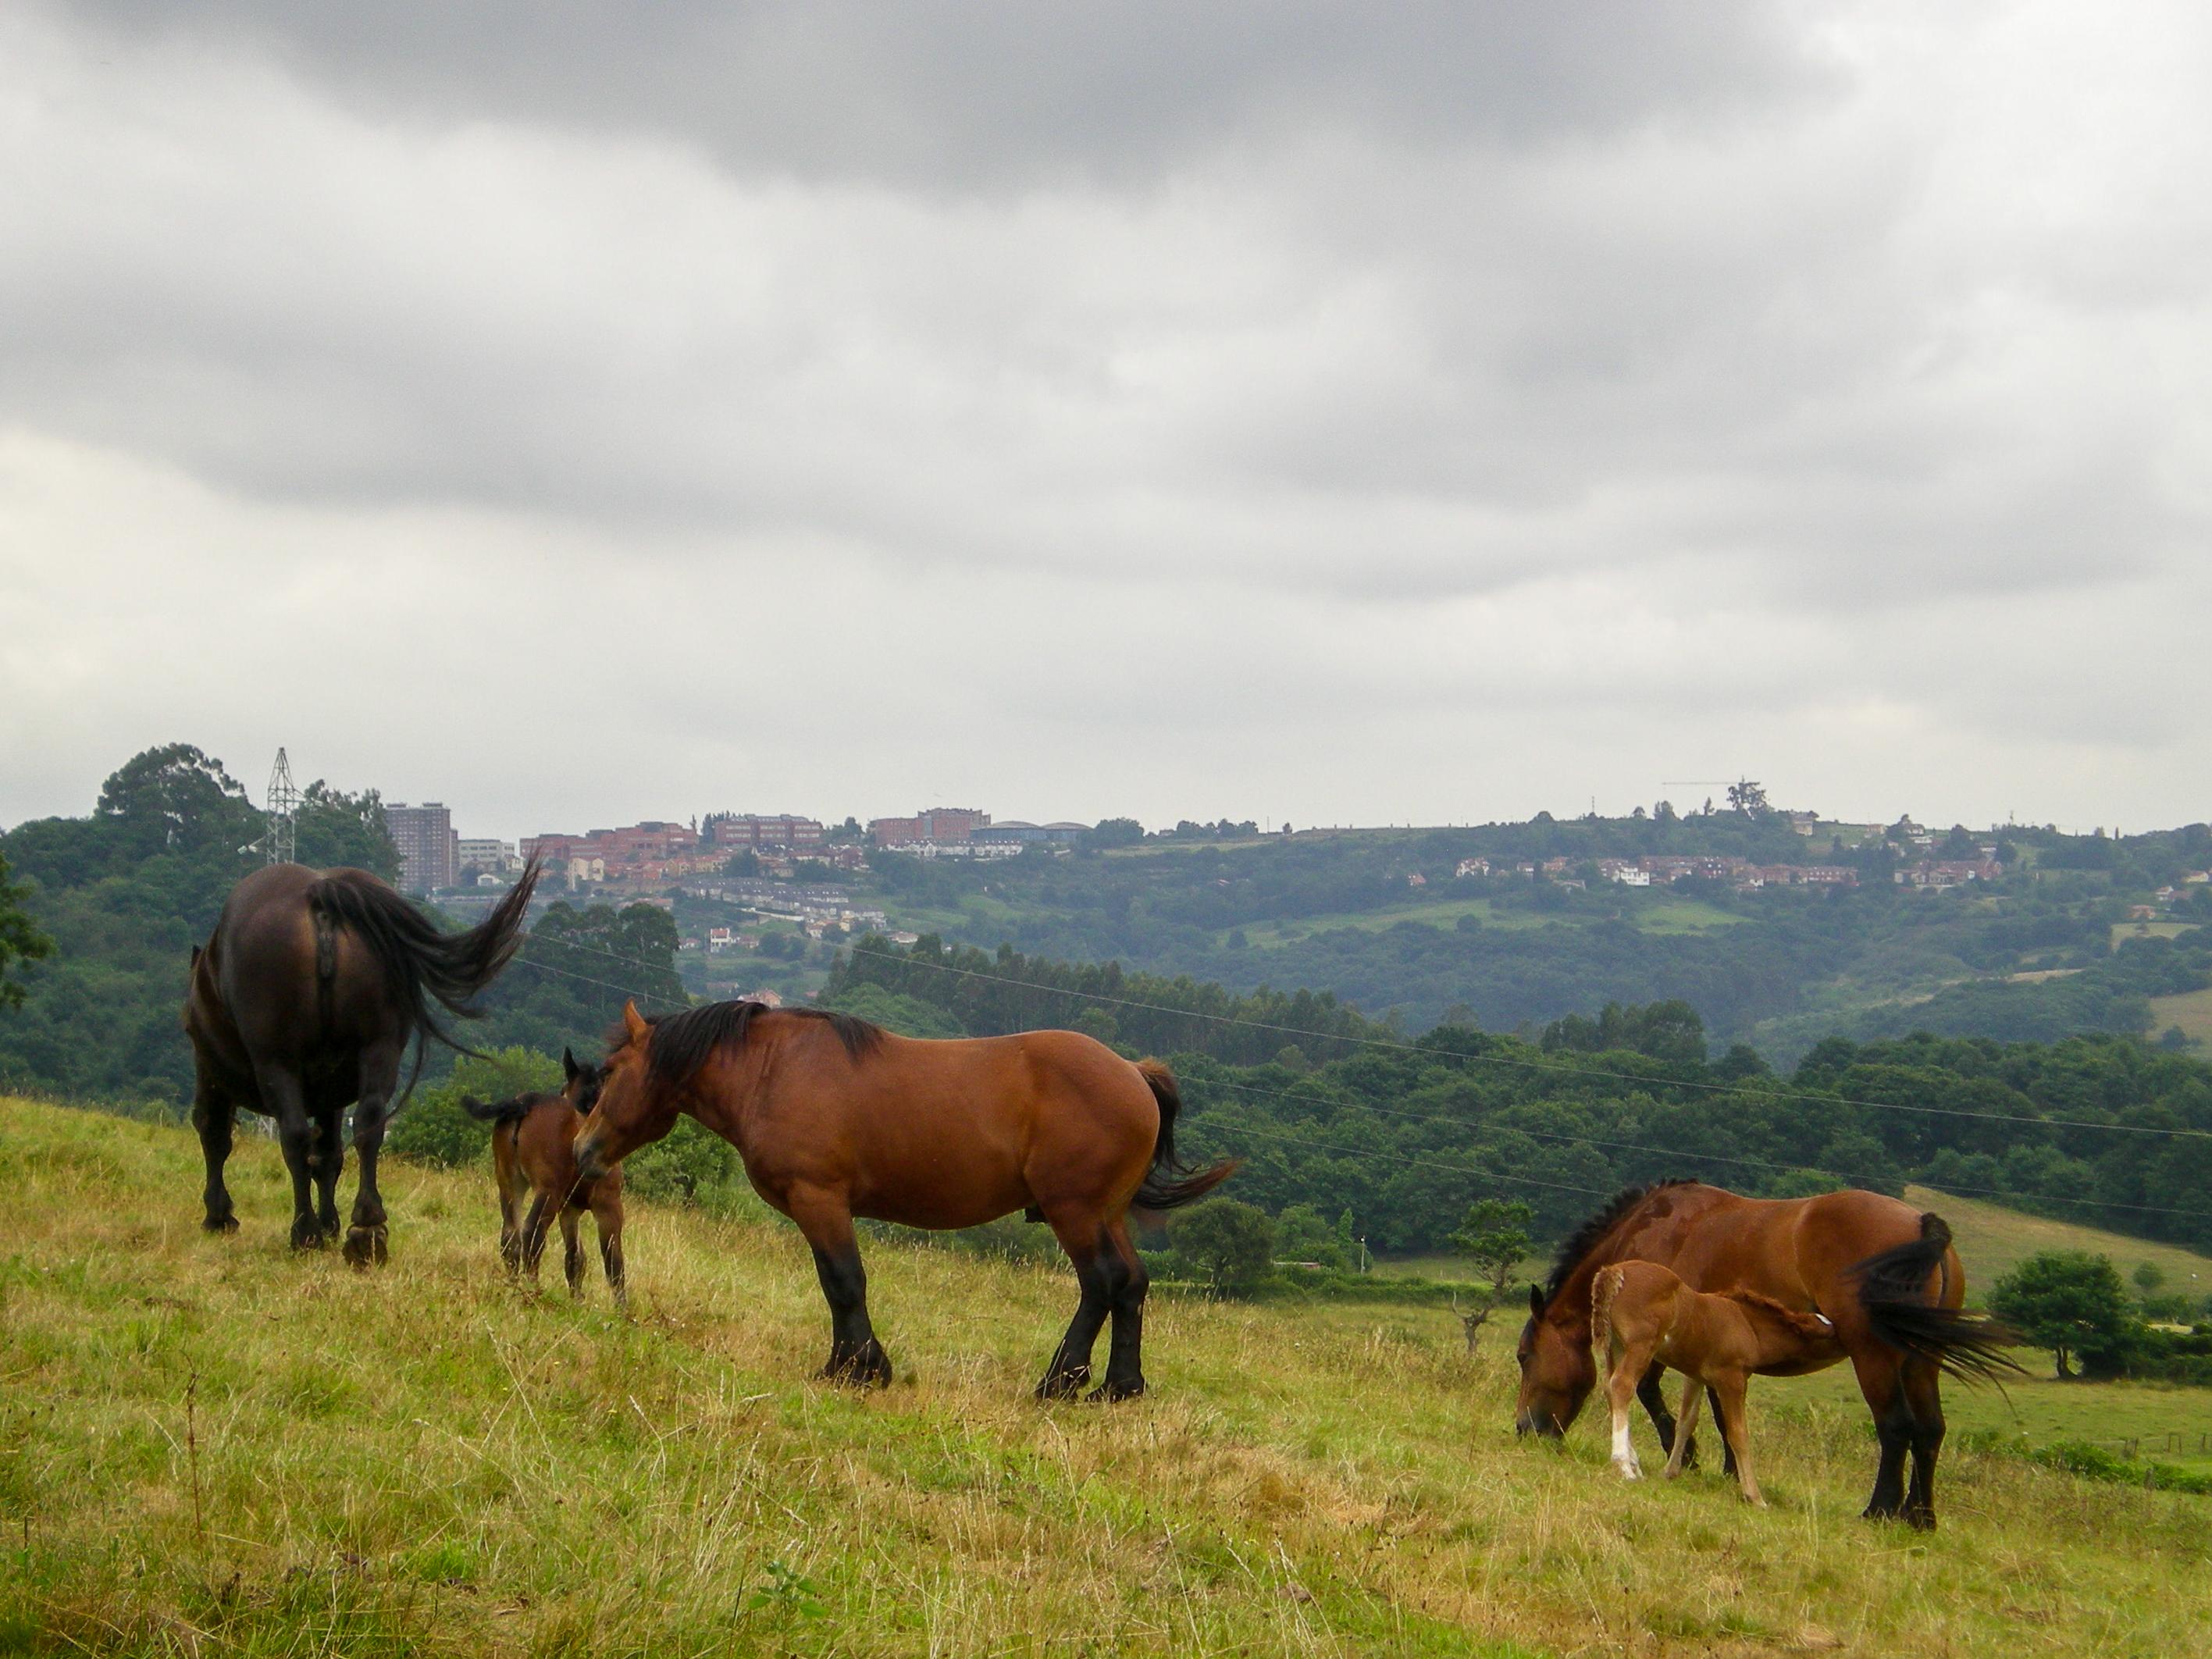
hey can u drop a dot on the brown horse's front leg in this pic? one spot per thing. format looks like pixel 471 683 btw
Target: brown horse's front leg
pixel 1653 1398
pixel 855 1356
pixel 214 1116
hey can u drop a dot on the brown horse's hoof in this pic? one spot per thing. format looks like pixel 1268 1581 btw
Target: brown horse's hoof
pixel 1114 1388
pixel 220 1224
pixel 367 1245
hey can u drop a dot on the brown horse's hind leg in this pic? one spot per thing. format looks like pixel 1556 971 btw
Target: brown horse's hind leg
pixel 1089 1250
pixel 1882 1383
pixel 367 1240
pixel 1922 1389
pixel 855 1356
pixel 213 1117
pixel 1128 1282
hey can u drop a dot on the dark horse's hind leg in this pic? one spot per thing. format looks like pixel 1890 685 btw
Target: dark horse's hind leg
pixel 366 1239
pixel 855 1356
pixel 281 1096
pixel 213 1118
pixel 328 1164
pixel 1128 1281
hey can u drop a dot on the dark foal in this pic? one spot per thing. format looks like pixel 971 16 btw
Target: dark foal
pixel 533 1140
pixel 302 1003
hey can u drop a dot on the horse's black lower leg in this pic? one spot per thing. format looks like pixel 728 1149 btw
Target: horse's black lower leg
pixel 1127 1282
pixel 610 1258
pixel 281 1096
pixel 1922 1392
pixel 572 1253
pixel 855 1356
pixel 531 1247
pixel 1653 1398
pixel 367 1239
pixel 214 1119
pixel 328 1163
pixel 1069 1373
pixel 1713 1410
pixel 1883 1386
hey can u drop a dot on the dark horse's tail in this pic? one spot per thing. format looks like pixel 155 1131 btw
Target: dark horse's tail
pixel 1893 1290
pixel 425 968
pixel 1166 1187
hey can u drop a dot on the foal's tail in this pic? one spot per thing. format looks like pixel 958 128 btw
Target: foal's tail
pixel 426 969
pixel 1162 1190
pixel 1892 1290
pixel 1604 1285
pixel 497 1111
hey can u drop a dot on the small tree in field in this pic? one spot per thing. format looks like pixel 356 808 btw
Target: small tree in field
pixel 1231 1246
pixel 2071 1302
pixel 1494 1236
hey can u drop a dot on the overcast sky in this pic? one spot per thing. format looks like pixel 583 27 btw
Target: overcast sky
pixel 1428 413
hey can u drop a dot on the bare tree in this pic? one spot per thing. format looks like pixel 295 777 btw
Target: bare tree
pixel 1470 1323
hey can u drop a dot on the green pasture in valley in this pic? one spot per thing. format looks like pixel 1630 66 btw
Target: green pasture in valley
pixel 212 1446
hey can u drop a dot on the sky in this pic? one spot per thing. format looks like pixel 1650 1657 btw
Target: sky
pixel 1308 413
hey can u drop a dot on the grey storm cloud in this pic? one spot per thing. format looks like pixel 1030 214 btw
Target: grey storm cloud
pixel 1263 399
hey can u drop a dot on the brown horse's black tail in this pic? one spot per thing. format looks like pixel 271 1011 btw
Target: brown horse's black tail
pixel 1892 1290
pixel 425 968
pixel 1166 1187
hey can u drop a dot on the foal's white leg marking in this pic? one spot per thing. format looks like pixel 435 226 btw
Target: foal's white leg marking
pixel 1624 1449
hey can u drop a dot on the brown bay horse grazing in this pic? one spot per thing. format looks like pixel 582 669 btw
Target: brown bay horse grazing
pixel 533 1141
pixel 835 1118
pixel 1882 1271
pixel 302 1003
pixel 1643 1315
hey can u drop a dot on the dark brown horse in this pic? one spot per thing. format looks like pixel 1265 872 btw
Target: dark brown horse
pixel 835 1118
pixel 1883 1274
pixel 302 1003
pixel 534 1158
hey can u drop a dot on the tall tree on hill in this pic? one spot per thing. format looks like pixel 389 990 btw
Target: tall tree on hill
pixel 332 828
pixel 20 941
pixel 2071 1302
pixel 1494 1236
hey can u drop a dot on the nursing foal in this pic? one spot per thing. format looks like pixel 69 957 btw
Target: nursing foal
pixel 534 1140
pixel 1642 1315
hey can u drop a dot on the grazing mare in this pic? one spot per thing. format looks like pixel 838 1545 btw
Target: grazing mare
pixel 302 1003
pixel 1884 1273
pixel 1642 1315
pixel 534 1140
pixel 835 1118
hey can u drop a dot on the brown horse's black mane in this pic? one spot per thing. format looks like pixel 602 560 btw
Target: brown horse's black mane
pixel 1587 1237
pixel 683 1042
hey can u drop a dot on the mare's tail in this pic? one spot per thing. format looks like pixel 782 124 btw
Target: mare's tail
pixel 426 969
pixel 1892 1290
pixel 1166 1187
pixel 497 1111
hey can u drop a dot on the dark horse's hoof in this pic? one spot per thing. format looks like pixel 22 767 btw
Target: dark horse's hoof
pixel 867 1367
pixel 364 1245
pixel 1115 1388
pixel 307 1234
pixel 220 1224
pixel 1063 1385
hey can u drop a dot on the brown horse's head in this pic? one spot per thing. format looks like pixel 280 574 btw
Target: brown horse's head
pixel 1557 1371
pixel 629 1107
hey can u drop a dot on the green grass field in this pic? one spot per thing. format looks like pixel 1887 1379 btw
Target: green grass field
pixel 211 1446
pixel 2192 1011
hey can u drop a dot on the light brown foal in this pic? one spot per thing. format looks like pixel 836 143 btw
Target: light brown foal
pixel 534 1159
pixel 1642 1315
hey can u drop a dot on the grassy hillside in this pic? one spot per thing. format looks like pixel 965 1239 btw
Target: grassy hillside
pixel 1993 1240
pixel 209 1445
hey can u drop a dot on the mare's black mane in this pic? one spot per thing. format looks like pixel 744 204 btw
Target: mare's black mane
pixel 1587 1237
pixel 683 1042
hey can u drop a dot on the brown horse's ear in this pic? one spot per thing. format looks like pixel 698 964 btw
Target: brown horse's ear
pixel 1535 1301
pixel 568 1064
pixel 634 1023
